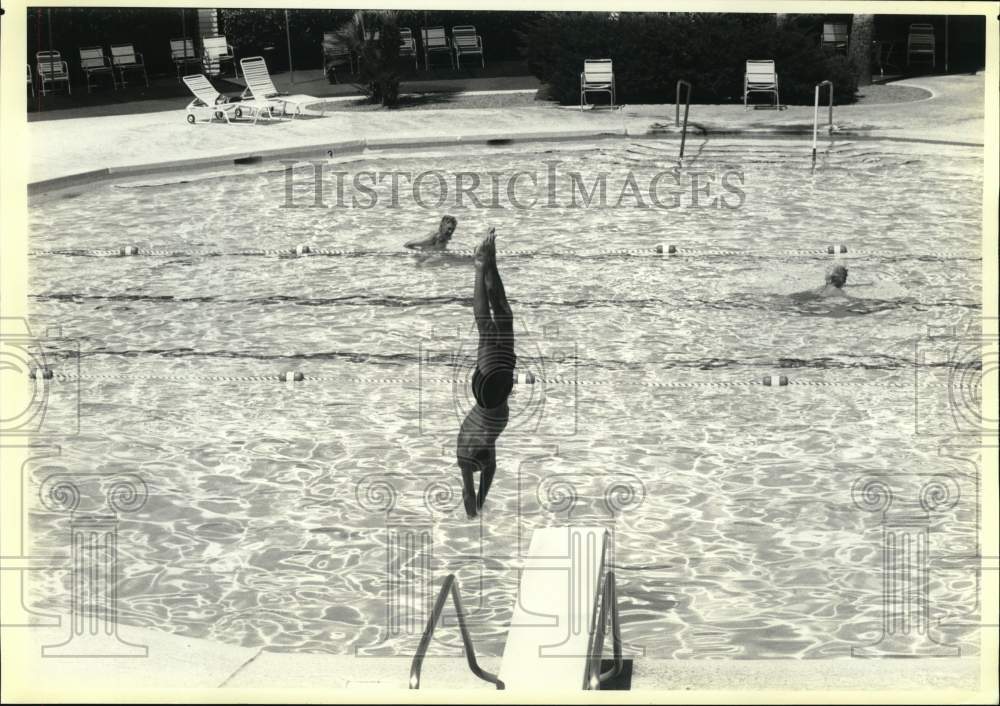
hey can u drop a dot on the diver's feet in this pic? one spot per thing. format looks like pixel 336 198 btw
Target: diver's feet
pixel 486 252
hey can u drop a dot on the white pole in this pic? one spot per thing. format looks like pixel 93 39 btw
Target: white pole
pixel 815 121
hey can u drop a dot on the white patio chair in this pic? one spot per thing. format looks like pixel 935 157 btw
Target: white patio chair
pixel 216 51
pixel 94 62
pixel 126 58
pixel 467 42
pixel 408 45
pixel 598 76
pixel 435 40
pixel 261 88
pixel 31 82
pixel 182 53
pixel 210 104
pixel 920 43
pixel 760 77
pixel 335 52
pixel 835 36
pixel 52 69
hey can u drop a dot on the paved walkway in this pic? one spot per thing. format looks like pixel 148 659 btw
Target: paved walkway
pixel 182 663
pixel 955 112
pixel 166 94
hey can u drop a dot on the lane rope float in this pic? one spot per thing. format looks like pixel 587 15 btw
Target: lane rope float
pixel 662 249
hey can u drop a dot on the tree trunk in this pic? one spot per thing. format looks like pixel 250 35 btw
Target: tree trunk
pixel 860 51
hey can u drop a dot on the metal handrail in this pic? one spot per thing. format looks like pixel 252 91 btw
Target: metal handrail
pixel 593 678
pixel 609 602
pixel 677 110
pixel 450 585
pixel 816 114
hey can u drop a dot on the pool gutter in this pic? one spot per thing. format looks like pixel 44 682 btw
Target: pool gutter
pixel 348 147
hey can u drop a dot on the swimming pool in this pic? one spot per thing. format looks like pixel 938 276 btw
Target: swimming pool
pixel 270 520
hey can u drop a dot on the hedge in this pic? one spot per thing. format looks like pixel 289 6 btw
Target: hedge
pixel 651 51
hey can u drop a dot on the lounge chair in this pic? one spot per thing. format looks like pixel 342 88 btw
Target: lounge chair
pixel 435 40
pixel 211 104
pixel 94 62
pixel 216 51
pixel 126 58
pixel 598 76
pixel 261 88
pixel 182 53
pixel 52 69
pixel 335 52
pixel 31 81
pixel 760 77
pixel 835 37
pixel 407 45
pixel 466 42
pixel 920 43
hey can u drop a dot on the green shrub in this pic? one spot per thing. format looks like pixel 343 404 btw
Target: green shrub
pixel 652 51
pixel 379 69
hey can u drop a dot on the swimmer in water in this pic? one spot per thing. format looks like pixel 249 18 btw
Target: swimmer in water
pixel 436 241
pixel 836 278
pixel 492 379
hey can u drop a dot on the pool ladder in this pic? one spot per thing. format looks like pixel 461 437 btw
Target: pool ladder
pixel 449 587
pixel 677 110
pixel 605 606
pixel 816 115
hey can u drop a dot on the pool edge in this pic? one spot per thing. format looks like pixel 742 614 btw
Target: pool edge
pixel 347 147
pixel 198 664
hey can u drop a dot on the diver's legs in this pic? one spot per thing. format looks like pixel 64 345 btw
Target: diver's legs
pixel 469 492
pixel 485 481
pixel 497 295
pixel 480 300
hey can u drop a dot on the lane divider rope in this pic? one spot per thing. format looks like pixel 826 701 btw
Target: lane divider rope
pixel 662 249
pixel 521 379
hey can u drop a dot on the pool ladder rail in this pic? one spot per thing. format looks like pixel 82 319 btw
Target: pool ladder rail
pixel 604 606
pixel 829 127
pixel 677 110
pixel 449 587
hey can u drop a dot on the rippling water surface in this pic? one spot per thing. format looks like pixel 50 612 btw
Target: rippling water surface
pixel 292 515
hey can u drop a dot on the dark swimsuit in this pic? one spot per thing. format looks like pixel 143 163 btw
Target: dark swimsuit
pixel 492 390
pixel 485 421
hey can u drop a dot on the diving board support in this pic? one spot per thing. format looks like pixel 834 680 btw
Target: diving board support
pixel 450 586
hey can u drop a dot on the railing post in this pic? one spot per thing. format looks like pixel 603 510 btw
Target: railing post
pixel 609 602
pixel 816 115
pixel 677 110
pixel 450 586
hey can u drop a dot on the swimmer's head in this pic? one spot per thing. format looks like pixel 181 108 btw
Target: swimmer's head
pixel 447 228
pixel 837 276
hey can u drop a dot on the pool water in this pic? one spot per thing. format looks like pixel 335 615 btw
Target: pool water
pixel 321 515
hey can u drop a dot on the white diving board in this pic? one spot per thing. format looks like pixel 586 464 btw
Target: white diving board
pixel 550 630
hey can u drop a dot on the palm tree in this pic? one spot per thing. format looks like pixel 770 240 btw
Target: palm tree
pixel 378 57
pixel 860 48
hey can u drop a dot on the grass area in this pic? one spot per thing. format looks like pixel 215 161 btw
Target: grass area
pixel 878 94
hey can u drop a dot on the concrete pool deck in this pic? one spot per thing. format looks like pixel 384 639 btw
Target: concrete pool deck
pixel 953 112
pixel 175 666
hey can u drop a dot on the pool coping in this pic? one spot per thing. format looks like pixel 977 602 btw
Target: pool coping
pixel 167 660
pixel 358 146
